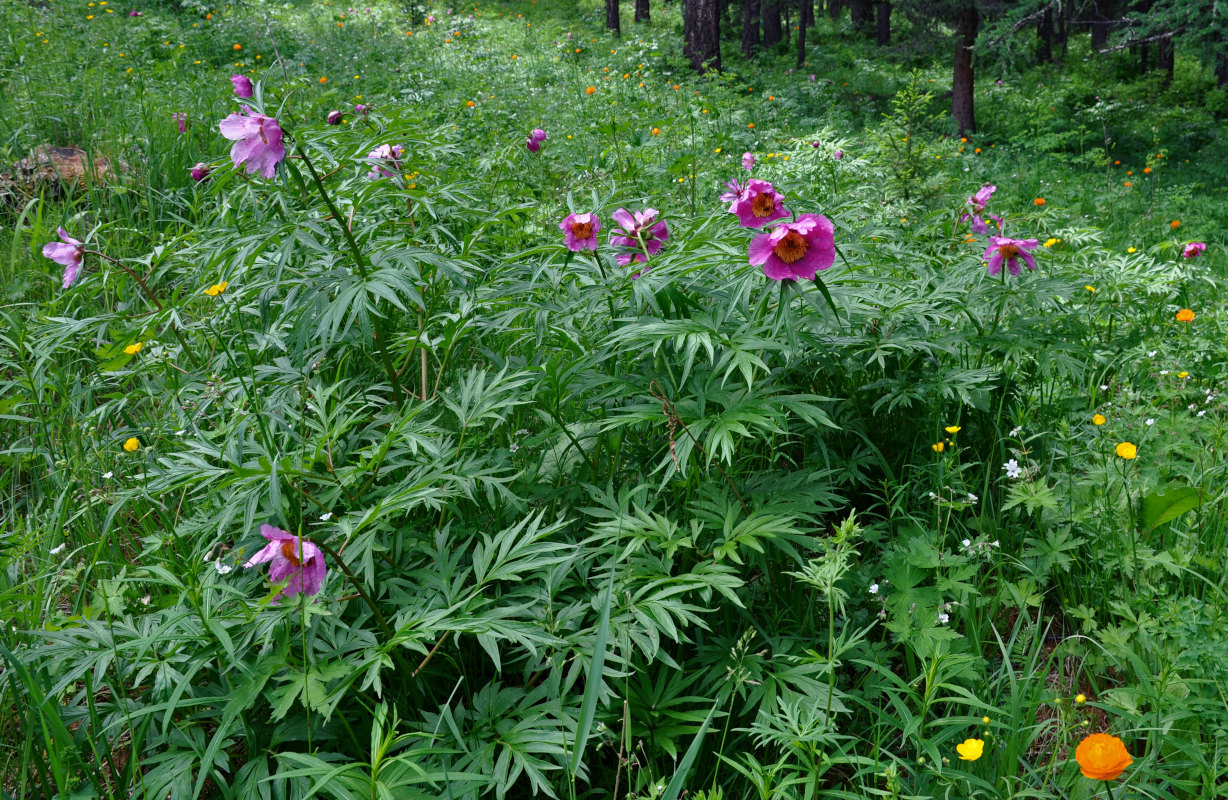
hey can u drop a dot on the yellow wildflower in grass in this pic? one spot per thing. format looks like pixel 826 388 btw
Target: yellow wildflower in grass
pixel 1051 242
pixel 1127 450
pixel 1183 374
pixel 1080 699
pixel 970 749
pixel 1098 420
pixel 1131 249
pixel 217 288
pixel 985 720
pixel 1090 288
pixel 938 447
pixel 132 445
pixel 953 429
pixel 133 349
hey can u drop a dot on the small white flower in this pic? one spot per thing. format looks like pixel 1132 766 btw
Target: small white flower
pixel 221 568
pixel 145 600
pixel 1163 372
pixel 1015 431
pixel 179 433
pixel 1152 353
pixel 513 447
pixel 522 432
pixel 106 476
pixel 966 543
pixel 994 543
pixel 326 516
pixel 972 498
pixel 1150 421
pixel 944 618
pixel 1104 387
pixel 1192 406
pixel 874 588
pixel 1012 468
pixel 55 551
pixel 1202 413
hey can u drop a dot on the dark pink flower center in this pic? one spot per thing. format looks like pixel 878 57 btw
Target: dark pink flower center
pixel 582 230
pixel 791 248
pixel 762 206
pixel 1008 250
pixel 290 552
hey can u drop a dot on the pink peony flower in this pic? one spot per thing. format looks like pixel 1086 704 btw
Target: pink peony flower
pixel 294 560
pixel 795 250
pixel 748 161
pixel 1194 249
pixel 135 13
pixel 68 252
pixel 200 171
pixel 181 120
pixel 535 139
pixel 333 118
pixel 361 109
pixel 733 190
pixel 385 154
pixel 639 232
pixel 977 204
pixel 758 204
pixel 580 231
pixel 257 142
pixel 243 85
pixel 839 154
pixel 1002 248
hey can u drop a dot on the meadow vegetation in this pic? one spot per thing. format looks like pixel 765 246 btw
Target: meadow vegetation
pixel 374 468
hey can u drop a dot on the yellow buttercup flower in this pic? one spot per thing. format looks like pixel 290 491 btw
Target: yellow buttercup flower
pixel 132 445
pixel 217 288
pixel 970 749
pixel 985 720
pixel 1098 419
pixel 953 429
pixel 1127 450
pixel 1131 249
pixel 938 447
pixel 1090 288
pixel 133 349
pixel 1051 242
pixel 1183 374
pixel 1080 699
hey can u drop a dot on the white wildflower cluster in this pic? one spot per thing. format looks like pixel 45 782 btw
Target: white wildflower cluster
pixel 954 499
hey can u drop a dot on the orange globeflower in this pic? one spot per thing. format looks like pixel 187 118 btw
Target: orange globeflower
pixel 238 47
pixel 590 90
pixel 1040 201
pixel 323 80
pixel 1117 163
pixel 1175 224
pixel 469 103
pixel 750 125
pixel 1185 315
pixel 1102 757
pixel 1146 170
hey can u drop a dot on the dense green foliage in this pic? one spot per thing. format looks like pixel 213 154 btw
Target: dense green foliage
pixel 589 534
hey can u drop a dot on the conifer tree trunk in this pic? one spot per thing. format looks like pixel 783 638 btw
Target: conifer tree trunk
pixel 772 33
pixel 861 13
pixel 750 27
pixel 805 18
pixel 612 17
pixel 1044 36
pixel 701 25
pixel 1166 58
pixel 882 29
pixel 834 7
pixel 962 108
pixel 642 13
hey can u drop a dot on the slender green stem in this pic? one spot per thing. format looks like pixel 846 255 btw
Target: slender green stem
pixel 381 339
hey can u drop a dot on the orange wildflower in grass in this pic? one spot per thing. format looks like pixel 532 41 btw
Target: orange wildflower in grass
pixel 323 80
pixel 1175 224
pixel 1129 172
pixel 470 103
pixel 1146 170
pixel 1127 184
pixel 1102 757
pixel 590 90
pixel 1185 315
pixel 977 150
pixel 1040 201
pixel 750 125
pixel 1117 163
pixel 1127 450
pixel 238 47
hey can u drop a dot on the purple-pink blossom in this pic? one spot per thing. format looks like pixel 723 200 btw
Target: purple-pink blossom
pixel 748 161
pixel 291 559
pixel 360 109
pixel 135 13
pixel 200 171
pixel 977 204
pixel 385 160
pixel 640 234
pixel 1194 249
pixel 795 250
pixel 758 204
pixel 181 120
pixel 1004 249
pixel 839 154
pixel 257 142
pixel 535 139
pixel 67 252
pixel 243 85
pixel 580 231
pixel 333 118
pixel 733 190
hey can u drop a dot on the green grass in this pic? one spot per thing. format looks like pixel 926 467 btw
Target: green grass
pixel 585 533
